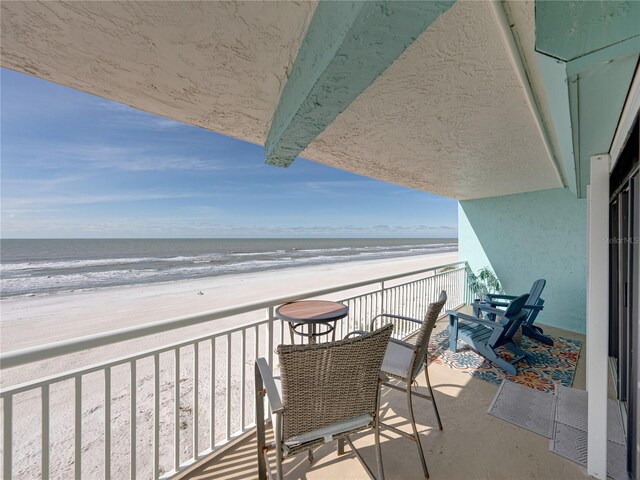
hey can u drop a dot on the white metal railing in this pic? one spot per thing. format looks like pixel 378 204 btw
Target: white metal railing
pixel 155 413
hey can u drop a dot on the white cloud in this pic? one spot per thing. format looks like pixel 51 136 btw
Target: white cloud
pixel 13 203
pixel 40 183
pixel 131 159
pixel 122 114
pixel 134 159
pixel 206 224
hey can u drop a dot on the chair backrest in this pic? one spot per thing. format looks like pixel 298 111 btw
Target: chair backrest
pixel 536 291
pixel 424 334
pixel 326 383
pixel 516 305
pixel 514 316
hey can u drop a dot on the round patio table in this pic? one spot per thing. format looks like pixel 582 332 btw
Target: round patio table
pixel 318 316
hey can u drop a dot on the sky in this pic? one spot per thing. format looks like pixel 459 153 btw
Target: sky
pixel 74 165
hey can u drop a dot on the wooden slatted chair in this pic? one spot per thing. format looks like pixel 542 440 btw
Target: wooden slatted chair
pixel 534 305
pixel 485 336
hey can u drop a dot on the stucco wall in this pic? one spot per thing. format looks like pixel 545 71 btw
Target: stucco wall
pixel 528 236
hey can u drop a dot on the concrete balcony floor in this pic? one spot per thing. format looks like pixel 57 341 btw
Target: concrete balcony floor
pixel 473 444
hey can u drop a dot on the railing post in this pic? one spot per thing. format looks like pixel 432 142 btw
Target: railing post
pixel 212 396
pixel 133 423
pixel 270 342
pixel 228 388
pixel 7 437
pixel 46 405
pixel 107 423
pixel 260 427
pixel 243 383
pixel 156 415
pixel 467 284
pixel 196 404
pixel 176 409
pixel 77 459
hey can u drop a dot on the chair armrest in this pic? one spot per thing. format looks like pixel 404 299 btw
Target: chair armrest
pixel 355 332
pixel 402 344
pixel 488 305
pixel 491 309
pixel 533 307
pixel 497 295
pixel 273 396
pixel 488 309
pixel 471 318
pixel 391 340
pixel 396 317
pixel 497 304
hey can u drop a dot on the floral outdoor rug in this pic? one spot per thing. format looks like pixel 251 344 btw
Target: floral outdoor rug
pixel 553 365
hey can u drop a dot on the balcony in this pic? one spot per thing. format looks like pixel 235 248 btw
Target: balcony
pixel 186 409
pixel 473 444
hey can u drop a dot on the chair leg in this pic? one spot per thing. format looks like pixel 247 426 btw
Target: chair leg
pixel 497 360
pixel 378 449
pixel 433 398
pixel 277 430
pixel 340 446
pixel 260 427
pixel 415 432
pixel 528 356
pixel 536 334
pixel 262 462
pixel 453 334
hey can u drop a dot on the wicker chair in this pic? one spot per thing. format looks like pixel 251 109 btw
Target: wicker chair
pixel 329 391
pixel 403 362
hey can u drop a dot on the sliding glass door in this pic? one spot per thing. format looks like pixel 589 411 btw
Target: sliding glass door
pixel 624 285
pixel 633 424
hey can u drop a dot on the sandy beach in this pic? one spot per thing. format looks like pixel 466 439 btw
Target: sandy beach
pixel 29 321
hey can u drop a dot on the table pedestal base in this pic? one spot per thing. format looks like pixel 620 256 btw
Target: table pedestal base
pixel 312 330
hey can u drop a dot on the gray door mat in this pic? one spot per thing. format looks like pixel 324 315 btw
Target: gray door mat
pixel 569 438
pixel 524 407
pixel 571 409
pixel 562 417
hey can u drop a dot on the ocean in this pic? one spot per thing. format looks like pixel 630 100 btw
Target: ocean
pixel 36 267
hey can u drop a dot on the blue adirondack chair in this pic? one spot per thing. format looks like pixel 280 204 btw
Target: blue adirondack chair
pixel 485 336
pixel 534 305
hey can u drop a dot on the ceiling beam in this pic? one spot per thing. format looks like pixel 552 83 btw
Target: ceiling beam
pixel 346 47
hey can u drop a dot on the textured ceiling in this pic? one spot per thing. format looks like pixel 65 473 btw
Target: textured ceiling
pixel 217 65
pixel 449 116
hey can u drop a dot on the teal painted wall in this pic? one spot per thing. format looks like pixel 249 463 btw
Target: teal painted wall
pixel 528 236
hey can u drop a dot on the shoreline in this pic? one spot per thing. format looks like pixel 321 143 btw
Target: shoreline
pixel 35 268
pixel 202 279
pixel 63 315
